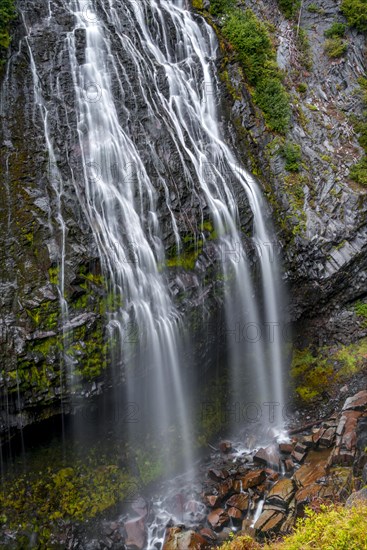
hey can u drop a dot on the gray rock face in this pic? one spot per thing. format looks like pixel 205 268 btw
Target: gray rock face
pixel 320 221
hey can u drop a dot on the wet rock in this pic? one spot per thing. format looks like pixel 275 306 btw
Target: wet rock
pixel 269 521
pixel 177 539
pixel 135 533
pixel 269 456
pixel 364 474
pixel 253 478
pixel 240 501
pixel 327 437
pixel 225 487
pixel 212 500
pixel 289 465
pixel 346 440
pixel 314 469
pixel 281 493
pixel 218 475
pixel 316 490
pixel 225 446
pixel 234 513
pixel 285 448
pixel 208 534
pixel 356 403
pixel 299 452
pixel 217 518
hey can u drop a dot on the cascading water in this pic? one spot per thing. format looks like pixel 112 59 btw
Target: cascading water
pixel 155 57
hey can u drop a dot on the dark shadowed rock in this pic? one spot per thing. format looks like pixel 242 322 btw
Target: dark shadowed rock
pixel 268 456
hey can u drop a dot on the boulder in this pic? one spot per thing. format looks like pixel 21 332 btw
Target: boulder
pixel 234 513
pixel 314 469
pixel 240 501
pixel 359 497
pixel 225 446
pixel 281 493
pixel 217 518
pixel 225 488
pixel 268 456
pixel 212 500
pixel 285 448
pixel 356 403
pixel 218 475
pixel 270 521
pixel 208 534
pixel 177 539
pixel 253 478
pixel 135 533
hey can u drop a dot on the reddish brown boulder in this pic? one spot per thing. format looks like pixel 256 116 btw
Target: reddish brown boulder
pixel 253 478
pixel 327 437
pixel 240 501
pixel 208 534
pixel 218 475
pixel 268 456
pixel 282 492
pixel 217 518
pixel 234 513
pixel 225 488
pixel 289 465
pixel 286 448
pixel 177 539
pixel 212 500
pixel 270 521
pixel 356 403
pixel 135 533
pixel 314 469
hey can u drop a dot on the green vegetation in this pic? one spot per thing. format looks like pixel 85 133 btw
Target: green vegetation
pixel 361 309
pixel 192 247
pixel 219 7
pixel 336 30
pixel 335 47
pixel 303 45
pixel 289 7
pixel 356 13
pixel 314 373
pixel 292 155
pixel 314 8
pixel 249 38
pixel 302 88
pixel 329 528
pixel 358 172
pixel 7 15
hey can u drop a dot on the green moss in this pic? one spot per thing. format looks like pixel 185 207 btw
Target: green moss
pixel 314 8
pixel 53 274
pixel 361 309
pixel 302 88
pixel 220 7
pixel 358 172
pixel 186 258
pixel 198 4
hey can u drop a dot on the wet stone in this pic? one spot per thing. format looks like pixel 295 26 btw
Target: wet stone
pixel 217 518
pixel 282 492
pixel 268 456
pixel 177 539
pixel 218 475
pixel 240 501
pixel 234 513
pixel 253 478
pixel 356 403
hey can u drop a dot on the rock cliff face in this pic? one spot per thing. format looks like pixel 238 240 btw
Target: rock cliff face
pixel 46 242
pixel 320 214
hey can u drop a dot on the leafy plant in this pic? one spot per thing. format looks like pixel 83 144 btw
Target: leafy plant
pixel 335 47
pixel 336 29
pixel 358 172
pixel 289 7
pixel 219 7
pixel 292 155
pixel 356 13
pixel 7 15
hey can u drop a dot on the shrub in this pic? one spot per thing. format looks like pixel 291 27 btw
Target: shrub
pixel 356 13
pixel 272 98
pixel 336 29
pixel 250 39
pixel 7 14
pixel 289 7
pixel 292 155
pixel 358 172
pixel 302 88
pixel 335 47
pixel 219 7
pixel 333 527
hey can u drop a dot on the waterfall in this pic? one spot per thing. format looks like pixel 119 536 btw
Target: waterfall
pixel 149 147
